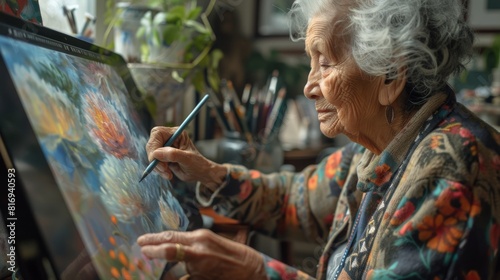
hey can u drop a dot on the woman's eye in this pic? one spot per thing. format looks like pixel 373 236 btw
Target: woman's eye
pixel 323 63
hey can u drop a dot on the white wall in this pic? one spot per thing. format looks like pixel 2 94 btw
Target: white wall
pixel 53 16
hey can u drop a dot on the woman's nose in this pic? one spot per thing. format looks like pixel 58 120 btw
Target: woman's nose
pixel 311 89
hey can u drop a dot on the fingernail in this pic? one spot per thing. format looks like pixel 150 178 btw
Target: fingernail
pixel 140 240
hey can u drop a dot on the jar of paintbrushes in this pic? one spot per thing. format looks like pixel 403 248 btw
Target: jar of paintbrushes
pixel 251 125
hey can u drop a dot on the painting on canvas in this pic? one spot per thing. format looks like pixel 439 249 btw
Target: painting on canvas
pixel 94 143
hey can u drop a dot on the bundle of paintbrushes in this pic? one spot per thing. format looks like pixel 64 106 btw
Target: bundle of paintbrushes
pixel 257 116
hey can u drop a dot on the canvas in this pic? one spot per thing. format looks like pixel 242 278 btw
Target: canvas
pixel 94 143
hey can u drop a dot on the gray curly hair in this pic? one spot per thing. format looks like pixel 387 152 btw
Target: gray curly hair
pixel 427 39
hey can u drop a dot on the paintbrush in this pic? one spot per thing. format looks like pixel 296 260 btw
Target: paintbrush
pixel 273 121
pixel 88 19
pixel 176 134
pixel 219 111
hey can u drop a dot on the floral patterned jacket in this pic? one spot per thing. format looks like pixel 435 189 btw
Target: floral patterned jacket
pixel 428 207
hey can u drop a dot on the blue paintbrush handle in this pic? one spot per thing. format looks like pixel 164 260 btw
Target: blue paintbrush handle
pixel 176 134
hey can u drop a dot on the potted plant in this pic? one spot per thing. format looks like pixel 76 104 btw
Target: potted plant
pixel 173 42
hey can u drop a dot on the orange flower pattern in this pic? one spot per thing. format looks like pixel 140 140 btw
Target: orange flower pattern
pixel 403 213
pixel 442 234
pixel 332 165
pixel 106 127
pixel 436 142
pixel 455 201
pixel 313 183
pixel 383 174
pixel 291 215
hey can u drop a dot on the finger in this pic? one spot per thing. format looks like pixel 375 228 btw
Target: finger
pixel 181 173
pixel 168 154
pixel 177 170
pixel 166 237
pixel 166 176
pixel 166 251
pixel 164 170
pixel 161 167
pixel 158 137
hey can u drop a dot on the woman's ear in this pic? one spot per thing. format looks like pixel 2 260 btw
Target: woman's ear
pixel 392 89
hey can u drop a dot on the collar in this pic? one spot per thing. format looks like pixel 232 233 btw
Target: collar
pixel 375 172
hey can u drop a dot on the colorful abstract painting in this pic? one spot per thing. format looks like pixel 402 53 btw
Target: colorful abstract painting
pixel 94 143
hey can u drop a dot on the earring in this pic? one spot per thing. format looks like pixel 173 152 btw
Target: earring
pixel 389 114
pixel 389 111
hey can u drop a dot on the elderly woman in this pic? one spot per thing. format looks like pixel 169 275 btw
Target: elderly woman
pixel 415 196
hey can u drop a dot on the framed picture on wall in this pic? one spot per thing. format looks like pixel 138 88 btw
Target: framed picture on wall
pixel 272 18
pixel 484 15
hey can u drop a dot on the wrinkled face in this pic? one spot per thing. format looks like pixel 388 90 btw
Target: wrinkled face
pixel 346 99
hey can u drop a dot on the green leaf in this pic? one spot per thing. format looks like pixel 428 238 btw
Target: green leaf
pixel 200 41
pixel 175 14
pixel 140 32
pixel 110 4
pixel 194 13
pixel 144 52
pixel 204 62
pixel 188 56
pixel 111 11
pixel 171 32
pixel 213 80
pixel 198 81
pixel 146 19
pixel 216 56
pixel 197 26
pixel 402 241
pixel 159 19
pixel 176 2
pixel 156 3
pixel 156 37
pixel 177 77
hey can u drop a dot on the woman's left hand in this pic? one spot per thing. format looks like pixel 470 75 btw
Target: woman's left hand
pixel 206 254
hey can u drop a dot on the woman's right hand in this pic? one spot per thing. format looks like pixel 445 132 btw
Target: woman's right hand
pixel 183 159
pixel 206 255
